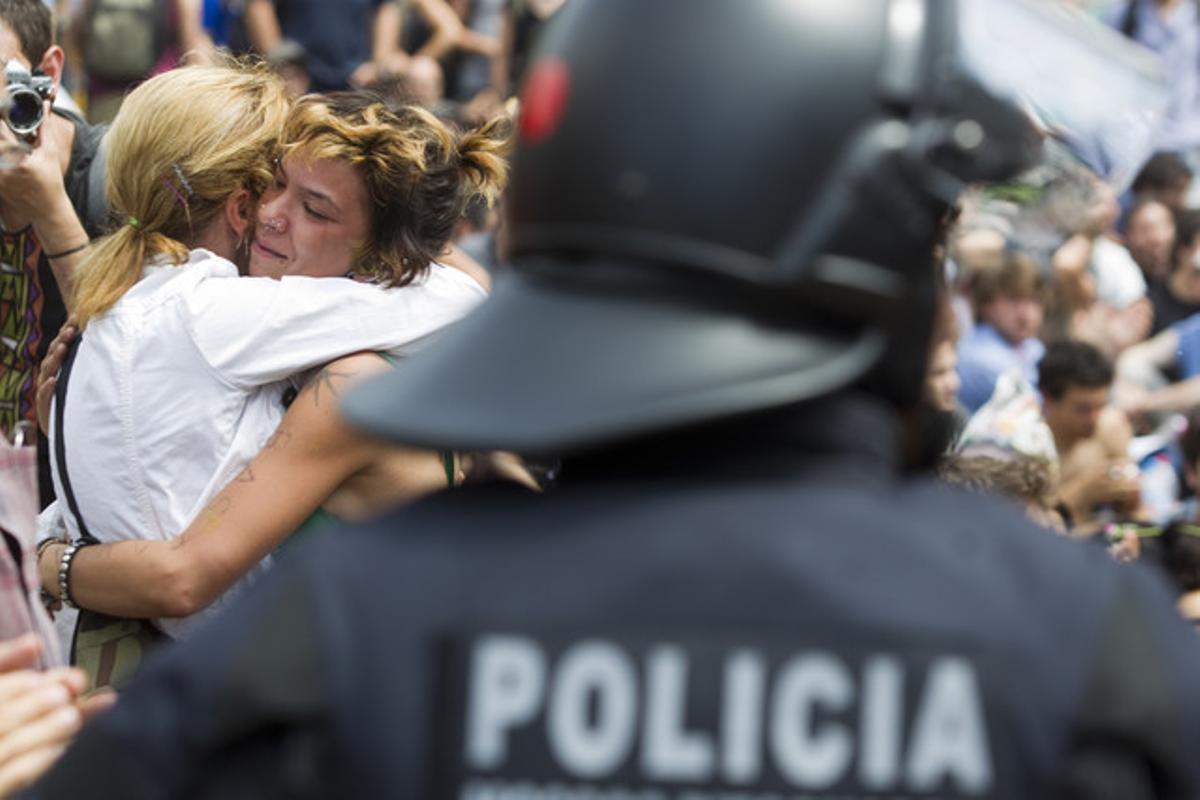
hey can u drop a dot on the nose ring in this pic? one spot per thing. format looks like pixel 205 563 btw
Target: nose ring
pixel 273 225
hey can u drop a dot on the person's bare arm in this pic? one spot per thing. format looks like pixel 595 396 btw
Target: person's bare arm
pixel 309 456
pixel 194 41
pixel 262 26
pixel 1158 353
pixel 385 36
pixel 1142 366
pixel 502 63
pixel 1182 396
pixel 444 25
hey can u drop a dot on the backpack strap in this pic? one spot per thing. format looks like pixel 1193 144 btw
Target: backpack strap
pixel 1129 22
pixel 97 196
pixel 60 450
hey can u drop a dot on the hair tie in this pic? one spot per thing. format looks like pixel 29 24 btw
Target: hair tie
pixel 178 196
pixel 134 223
pixel 187 187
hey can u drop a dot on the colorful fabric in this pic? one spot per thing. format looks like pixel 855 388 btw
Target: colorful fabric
pixel 1011 421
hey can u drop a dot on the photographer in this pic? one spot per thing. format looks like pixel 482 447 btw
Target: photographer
pixel 45 186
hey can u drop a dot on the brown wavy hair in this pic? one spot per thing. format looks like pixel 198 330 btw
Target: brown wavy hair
pixel 419 173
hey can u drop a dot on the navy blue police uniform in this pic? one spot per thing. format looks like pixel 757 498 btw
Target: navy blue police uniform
pixel 763 611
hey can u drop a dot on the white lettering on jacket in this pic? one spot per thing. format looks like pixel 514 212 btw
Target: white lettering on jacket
pixel 814 719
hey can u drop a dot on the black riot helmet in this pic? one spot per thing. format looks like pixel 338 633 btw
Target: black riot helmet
pixel 717 208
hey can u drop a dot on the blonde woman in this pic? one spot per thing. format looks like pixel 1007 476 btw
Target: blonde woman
pixel 179 375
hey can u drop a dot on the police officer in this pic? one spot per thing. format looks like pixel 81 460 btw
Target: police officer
pixel 720 312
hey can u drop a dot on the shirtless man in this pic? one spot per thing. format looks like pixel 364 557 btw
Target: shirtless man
pixel 1097 479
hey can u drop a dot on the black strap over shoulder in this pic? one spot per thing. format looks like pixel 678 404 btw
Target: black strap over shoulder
pixel 1129 22
pixel 60 452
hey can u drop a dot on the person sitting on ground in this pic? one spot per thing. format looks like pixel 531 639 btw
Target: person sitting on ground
pixel 1007 448
pixel 1166 177
pixel 1098 482
pixel 1150 235
pixel 1027 480
pixel 1176 548
pixel 1009 303
pixel 1178 297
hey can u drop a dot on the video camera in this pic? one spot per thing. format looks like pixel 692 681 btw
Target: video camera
pixel 27 95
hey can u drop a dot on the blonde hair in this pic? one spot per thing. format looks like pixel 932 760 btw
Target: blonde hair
pixel 182 144
pixel 419 173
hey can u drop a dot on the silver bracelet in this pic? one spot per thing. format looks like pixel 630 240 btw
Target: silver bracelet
pixel 64 574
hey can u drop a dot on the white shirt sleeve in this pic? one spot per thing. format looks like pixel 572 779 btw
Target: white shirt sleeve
pixel 254 331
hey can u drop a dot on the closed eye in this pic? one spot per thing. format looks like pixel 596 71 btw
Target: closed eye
pixel 316 214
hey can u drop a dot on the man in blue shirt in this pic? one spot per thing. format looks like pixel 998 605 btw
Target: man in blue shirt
pixel 1008 303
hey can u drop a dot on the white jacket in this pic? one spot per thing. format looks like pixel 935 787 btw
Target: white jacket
pixel 178 386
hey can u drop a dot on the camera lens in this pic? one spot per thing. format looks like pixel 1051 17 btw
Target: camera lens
pixel 26 111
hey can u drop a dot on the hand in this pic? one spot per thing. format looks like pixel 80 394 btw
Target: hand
pixel 497 465
pixel 1127 548
pixel 47 378
pixel 395 63
pixel 40 712
pixel 1119 485
pixel 365 74
pixel 32 186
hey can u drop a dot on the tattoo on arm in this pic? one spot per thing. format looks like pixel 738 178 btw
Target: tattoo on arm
pixel 325 380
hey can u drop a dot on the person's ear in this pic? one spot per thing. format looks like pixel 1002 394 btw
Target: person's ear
pixel 52 65
pixel 239 212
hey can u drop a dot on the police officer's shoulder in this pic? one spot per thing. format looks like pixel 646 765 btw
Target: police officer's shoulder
pixel 1024 558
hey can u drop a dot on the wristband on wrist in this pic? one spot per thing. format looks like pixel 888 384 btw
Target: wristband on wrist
pixel 44 543
pixel 70 252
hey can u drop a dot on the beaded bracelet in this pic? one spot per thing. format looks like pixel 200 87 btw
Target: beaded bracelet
pixel 64 572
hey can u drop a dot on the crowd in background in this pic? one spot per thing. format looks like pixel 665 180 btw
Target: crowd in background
pixel 1073 333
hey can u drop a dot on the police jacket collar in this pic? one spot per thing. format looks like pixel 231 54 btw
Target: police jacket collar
pixel 850 429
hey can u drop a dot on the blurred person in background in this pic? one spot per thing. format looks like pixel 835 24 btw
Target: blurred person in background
pixel 1176 548
pixel 1099 292
pixel 1026 480
pixel 1009 305
pixel 352 45
pixel 51 202
pixel 463 38
pixel 1167 178
pixel 1150 235
pixel 523 22
pixel 1178 297
pixel 1162 374
pixel 124 42
pixel 1097 480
